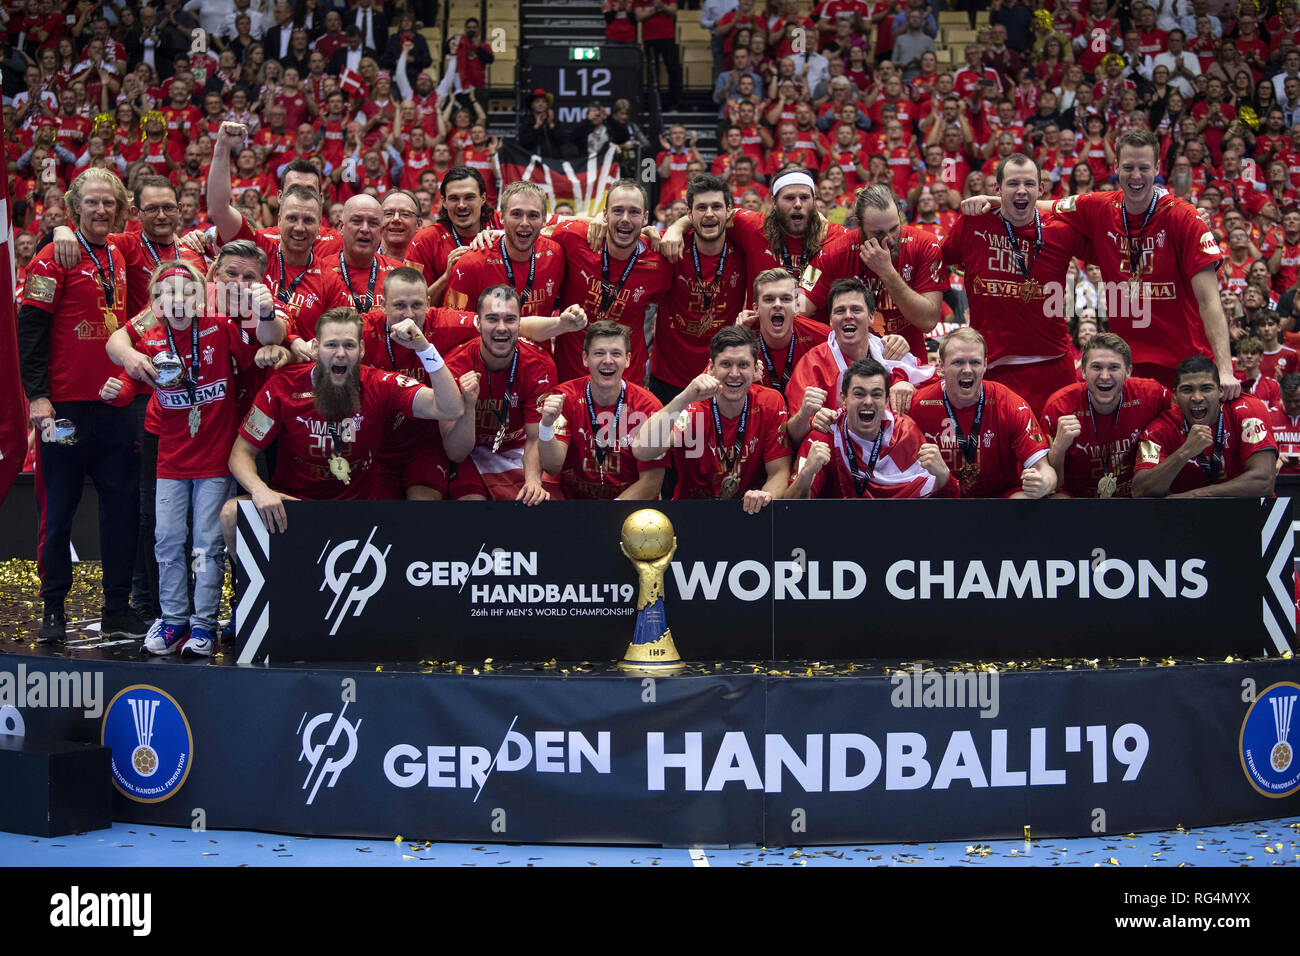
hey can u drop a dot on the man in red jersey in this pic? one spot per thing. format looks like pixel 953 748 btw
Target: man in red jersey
pixel 504 382
pixel 1205 448
pixel 815 382
pixel 1285 423
pixel 587 427
pixel 65 318
pixel 784 337
pixel 725 432
pixel 986 432
pixel 521 257
pixel 465 212
pixel 304 286
pixel 618 282
pixel 1015 261
pixel 1278 359
pixel 788 236
pixel 871 452
pixel 1250 351
pixel 901 264
pixel 1162 253
pixel 1095 423
pixel 329 417
pixel 400 210
pixel 707 291
pixel 359 263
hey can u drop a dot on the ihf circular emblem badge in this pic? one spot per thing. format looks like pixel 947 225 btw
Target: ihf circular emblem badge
pixel 1268 746
pixel 151 742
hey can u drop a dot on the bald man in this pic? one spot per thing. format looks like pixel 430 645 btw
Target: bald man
pixel 359 263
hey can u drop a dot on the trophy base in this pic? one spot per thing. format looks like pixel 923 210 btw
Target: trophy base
pixel 658 656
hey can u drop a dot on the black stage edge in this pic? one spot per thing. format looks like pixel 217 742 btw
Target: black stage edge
pixel 727 755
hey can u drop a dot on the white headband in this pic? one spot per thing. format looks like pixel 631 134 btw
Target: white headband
pixel 793 177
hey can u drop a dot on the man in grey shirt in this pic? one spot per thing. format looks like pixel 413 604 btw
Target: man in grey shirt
pixel 909 46
pixel 729 81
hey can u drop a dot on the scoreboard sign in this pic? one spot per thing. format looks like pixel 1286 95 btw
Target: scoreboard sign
pixel 580 75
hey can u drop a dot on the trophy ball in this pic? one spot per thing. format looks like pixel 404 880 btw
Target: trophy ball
pixel 647 534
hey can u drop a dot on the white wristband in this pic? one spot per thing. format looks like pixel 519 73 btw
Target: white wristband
pixel 545 432
pixel 430 359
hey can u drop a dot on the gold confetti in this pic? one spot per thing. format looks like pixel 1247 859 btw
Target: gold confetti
pixel 379 667
pixel 398 839
pixel 1112 861
pixel 1027 836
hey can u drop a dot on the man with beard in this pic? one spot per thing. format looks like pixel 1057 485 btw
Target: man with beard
pixel 784 337
pixel 305 287
pixel 707 290
pixel 817 377
pixel 359 263
pixel 521 257
pixel 1095 423
pixel 788 237
pixel 725 431
pixel 495 440
pixel 619 282
pixel 464 214
pixel 902 265
pixel 587 426
pixel 871 452
pixel 329 417
pixel 1013 259
pixel 986 432
pixel 1205 448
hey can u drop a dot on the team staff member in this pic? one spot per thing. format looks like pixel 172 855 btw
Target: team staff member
pixel 901 264
pixel 784 337
pixel 707 291
pixel 871 452
pixel 504 382
pixel 587 427
pixel 1013 259
pixel 986 432
pixel 1095 423
pixel 359 263
pixel 1205 448
pixel 725 431
pixel 65 319
pixel 329 419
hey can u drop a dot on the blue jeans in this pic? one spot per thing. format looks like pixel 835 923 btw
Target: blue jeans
pixel 176 499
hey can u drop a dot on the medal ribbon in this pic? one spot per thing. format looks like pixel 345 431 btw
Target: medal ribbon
pixel 1134 253
pixel 153 252
pixel 606 297
pixel 510 270
pixel 106 282
pixel 789 362
pixel 360 304
pixel 191 376
pixel 1212 467
pixel 787 260
pixel 504 414
pixel 1024 264
pixel 969 446
pixel 711 289
pixel 1109 451
pixel 860 479
pixel 286 291
pixel 730 462
pixel 603 450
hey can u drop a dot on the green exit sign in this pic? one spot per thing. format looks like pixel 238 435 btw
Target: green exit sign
pixel 584 53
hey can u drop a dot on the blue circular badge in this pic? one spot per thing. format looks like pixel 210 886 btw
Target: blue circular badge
pixel 1268 741
pixel 151 742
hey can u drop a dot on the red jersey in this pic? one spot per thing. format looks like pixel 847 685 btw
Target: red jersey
pixel 182 123
pixel 1246 430
pixel 1175 245
pixel 81 318
pixel 1289 270
pixel 223 351
pixel 431 247
pixel 778 362
pixel 365 285
pixel 824 365
pixel 155 155
pixel 674 187
pixel 1009 439
pixel 701 460
pixel 1265 389
pixel 1106 444
pixel 1281 361
pixel 284 408
pixel 630 288
pixel 1011 312
pixel 478 269
pixel 584 475
pixel 1286 435
pixel 799 155
pixel 1097 41
pixel 501 402
pixel 920 263
pixel 304 292
pixel 747 229
pixel 142 257
pixel 897 473
pixel 414 163
pixel 696 306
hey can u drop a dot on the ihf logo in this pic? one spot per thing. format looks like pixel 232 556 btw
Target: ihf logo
pixel 151 742
pixel 1268 748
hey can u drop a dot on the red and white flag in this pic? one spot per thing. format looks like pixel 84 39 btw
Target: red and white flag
pixel 13 401
pixel 351 83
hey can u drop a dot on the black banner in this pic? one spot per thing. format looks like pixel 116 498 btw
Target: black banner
pixel 813 580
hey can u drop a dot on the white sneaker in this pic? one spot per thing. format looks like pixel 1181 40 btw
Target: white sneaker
pixel 167 639
pixel 200 644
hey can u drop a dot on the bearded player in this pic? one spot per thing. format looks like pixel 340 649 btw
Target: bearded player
pixel 1095 423
pixel 869 451
pixel 986 432
pixel 1203 447
pixel 587 426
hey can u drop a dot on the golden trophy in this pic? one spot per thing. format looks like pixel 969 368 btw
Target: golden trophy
pixel 649 543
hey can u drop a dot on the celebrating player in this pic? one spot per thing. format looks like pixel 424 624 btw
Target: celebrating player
pixel 783 336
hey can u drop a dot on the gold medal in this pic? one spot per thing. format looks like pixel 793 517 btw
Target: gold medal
pixel 110 320
pixel 340 469
pixel 196 417
pixel 730 485
pixel 498 439
pixel 969 472
pixel 1106 485
pixel 1134 290
pixel 1031 290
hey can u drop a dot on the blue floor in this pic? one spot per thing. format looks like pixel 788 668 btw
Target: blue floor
pixel 1267 843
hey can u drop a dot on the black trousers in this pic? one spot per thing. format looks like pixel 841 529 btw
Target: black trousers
pixel 672 59
pixel 105 449
pixel 144 583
